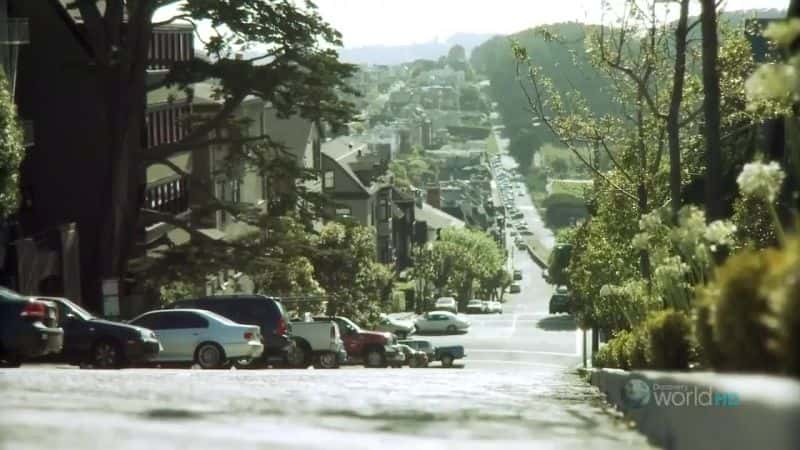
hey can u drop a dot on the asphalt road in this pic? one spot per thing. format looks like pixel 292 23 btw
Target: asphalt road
pixel 515 389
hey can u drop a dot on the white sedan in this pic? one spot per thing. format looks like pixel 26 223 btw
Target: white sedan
pixel 441 321
pixel 200 336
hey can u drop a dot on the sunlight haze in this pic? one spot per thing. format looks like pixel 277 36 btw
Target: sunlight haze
pixel 390 22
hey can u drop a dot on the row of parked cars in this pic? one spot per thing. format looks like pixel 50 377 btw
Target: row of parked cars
pixel 212 332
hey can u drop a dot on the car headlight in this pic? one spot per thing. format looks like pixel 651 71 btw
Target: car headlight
pixel 148 335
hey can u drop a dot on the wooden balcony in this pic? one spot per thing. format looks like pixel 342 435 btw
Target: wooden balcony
pixel 170 195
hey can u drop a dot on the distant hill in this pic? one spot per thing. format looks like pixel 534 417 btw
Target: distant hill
pixel 399 54
pixel 565 63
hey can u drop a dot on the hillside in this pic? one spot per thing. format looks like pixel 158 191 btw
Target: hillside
pixel 399 54
pixel 564 62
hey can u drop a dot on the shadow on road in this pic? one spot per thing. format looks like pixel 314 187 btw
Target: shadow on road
pixel 557 323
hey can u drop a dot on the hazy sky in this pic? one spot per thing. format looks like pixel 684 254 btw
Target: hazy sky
pixel 392 22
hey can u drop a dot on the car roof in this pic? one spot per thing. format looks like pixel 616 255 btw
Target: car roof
pixel 202 312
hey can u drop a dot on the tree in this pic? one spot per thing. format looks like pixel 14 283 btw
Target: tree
pixel 11 151
pixel 344 262
pixel 711 108
pixel 297 71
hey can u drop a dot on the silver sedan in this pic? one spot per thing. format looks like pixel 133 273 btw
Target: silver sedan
pixel 202 337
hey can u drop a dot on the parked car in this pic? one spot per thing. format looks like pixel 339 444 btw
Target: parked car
pixel 476 306
pixel 28 328
pixel 517 215
pixel 561 301
pixel 414 358
pixel 252 309
pixel 446 304
pixel 521 245
pixel 517 275
pixel 441 321
pixel 515 288
pixel 493 307
pixel 525 232
pixel 371 348
pixel 402 328
pixel 317 342
pixel 446 354
pixel 200 336
pixel 101 343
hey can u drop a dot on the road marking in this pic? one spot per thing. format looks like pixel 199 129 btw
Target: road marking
pixel 523 352
pixel 513 326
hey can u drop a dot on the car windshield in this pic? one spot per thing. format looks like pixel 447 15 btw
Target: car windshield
pixel 349 324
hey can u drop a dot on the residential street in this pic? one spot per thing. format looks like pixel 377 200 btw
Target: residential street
pixel 516 389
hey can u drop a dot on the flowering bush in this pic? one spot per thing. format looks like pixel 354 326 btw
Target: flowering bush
pixel 761 180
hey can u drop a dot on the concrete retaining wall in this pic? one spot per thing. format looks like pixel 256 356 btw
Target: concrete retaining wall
pixel 767 415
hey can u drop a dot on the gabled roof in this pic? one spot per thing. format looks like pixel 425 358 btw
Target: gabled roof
pixel 344 150
pixel 436 218
pixel 291 132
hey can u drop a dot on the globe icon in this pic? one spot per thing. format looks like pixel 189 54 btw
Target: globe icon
pixel 636 393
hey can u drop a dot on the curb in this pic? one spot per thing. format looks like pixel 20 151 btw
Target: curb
pixel 762 412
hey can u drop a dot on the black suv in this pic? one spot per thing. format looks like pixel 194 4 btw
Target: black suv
pixel 251 309
pixel 101 343
pixel 28 328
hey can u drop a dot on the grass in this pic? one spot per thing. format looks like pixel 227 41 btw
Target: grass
pixel 570 187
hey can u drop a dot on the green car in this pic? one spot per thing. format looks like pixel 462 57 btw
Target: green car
pixel 560 302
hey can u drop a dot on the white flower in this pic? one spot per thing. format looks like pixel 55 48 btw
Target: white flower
pixel 783 33
pixel 720 232
pixel 772 82
pixel 641 241
pixel 606 291
pixel 761 180
pixel 650 221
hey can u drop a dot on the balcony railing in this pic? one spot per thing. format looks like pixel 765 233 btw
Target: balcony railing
pixel 170 195
pixel 14 31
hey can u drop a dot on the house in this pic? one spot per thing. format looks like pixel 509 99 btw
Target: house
pixel 355 181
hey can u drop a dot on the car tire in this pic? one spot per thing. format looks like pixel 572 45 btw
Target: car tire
pixel 327 360
pixel 447 360
pixel 298 356
pixel 209 355
pixel 106 354
pixel 451 329
pixel 375 358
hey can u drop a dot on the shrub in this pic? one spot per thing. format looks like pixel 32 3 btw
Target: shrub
pixel 602 357
pixel 782 288
pixel 618 346
pixel 741 312
pixel 636 349
pixel 669 340
pixel 707 350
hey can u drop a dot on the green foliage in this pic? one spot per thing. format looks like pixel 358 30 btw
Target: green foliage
pixel 12 151
pixel 669 340
pixel 562 210
pixel 618 347
pixel 460 261
pixel 740 313
pixel 753 221
pixel 345 266
pixel 177 290
pixel 414 169
pixel 636 349
pixel 602 358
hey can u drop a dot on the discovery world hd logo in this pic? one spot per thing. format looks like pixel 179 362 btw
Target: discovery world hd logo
pixel 638 393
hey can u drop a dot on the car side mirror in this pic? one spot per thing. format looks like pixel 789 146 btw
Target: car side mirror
pixel 70 317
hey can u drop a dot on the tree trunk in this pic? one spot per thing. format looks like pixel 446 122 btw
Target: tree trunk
pixel 673 119
pixel 712 113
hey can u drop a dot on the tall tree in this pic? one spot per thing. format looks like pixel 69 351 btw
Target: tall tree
pixel 296 70
pixel 11 151
pixel 713 142
pixel 673 117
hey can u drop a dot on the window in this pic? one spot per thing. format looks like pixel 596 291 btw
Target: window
pixel 150 321
pixel 328 180
pixel 344 212
pixel 181 320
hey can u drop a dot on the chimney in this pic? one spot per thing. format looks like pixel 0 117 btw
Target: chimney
pixel 434 196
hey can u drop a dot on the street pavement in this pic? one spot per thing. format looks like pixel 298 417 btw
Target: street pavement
pixel 516 389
